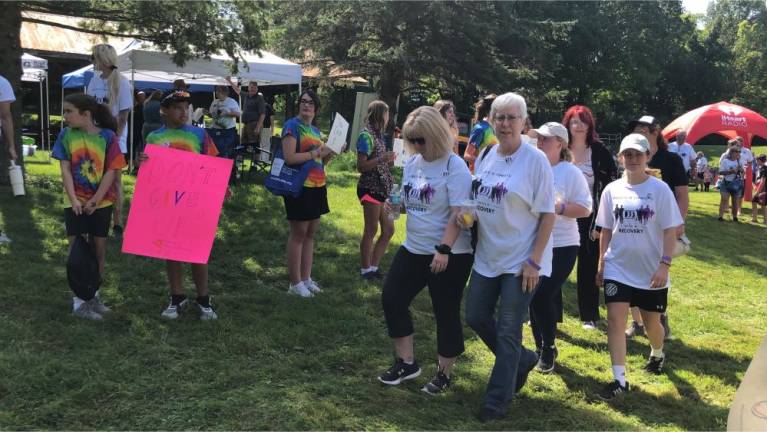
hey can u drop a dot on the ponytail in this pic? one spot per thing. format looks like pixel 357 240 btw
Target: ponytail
pixel 100 113
pixel 106 57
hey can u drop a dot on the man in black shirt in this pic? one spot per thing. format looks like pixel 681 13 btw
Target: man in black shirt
pixel 672 172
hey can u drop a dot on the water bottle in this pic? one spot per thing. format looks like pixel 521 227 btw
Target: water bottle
pixel 17 179
pixel 395 201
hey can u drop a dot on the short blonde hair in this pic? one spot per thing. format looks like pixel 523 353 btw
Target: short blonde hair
pixel 427 123
pixel 508 100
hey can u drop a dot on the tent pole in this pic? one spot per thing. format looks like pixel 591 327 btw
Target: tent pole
pixel 48 115
pixel 42 114
pixel 133 105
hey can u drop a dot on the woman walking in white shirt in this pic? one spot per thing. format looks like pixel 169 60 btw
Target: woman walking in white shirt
pixel 639 217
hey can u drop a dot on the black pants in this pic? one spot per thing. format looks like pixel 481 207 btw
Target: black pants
pixel 407 276
pixel 588 259
pixel 546 307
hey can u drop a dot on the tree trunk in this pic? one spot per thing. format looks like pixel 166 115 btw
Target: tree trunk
pixel 10 68
pixel 390 86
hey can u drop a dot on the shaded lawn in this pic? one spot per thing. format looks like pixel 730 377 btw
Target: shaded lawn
pixel 279 362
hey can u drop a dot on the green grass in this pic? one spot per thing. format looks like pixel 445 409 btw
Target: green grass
pixel 273 361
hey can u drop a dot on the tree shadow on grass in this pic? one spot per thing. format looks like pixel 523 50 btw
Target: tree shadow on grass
pixel 21 224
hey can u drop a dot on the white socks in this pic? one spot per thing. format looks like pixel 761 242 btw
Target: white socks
pixel 368 270
pixel 76 303
pixel 619 373
pixel 656 352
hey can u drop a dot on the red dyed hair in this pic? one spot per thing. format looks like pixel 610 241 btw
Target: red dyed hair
pixel 584 114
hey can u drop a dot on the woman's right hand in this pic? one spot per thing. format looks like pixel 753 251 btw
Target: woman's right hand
pixel 77 207
pixel 594 235
pixel 600 278
pixel 388 156
pixel 387 206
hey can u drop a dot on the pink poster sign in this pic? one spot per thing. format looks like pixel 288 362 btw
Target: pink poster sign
pixel 176 204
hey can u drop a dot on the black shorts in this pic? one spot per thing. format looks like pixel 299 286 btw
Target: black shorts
pixel 310 205
pixel 96 224
pixel 652 300
pixel 362 191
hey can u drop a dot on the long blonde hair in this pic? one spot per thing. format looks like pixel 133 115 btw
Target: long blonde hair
pixel 105 59
pixel 426 122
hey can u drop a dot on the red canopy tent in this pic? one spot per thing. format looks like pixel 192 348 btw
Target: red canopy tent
pixel 722 118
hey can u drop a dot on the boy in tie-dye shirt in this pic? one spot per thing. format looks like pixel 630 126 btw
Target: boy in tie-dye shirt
pixel 482 136
pixel 181 136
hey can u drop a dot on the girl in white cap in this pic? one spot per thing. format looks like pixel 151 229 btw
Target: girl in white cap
pixel 639 216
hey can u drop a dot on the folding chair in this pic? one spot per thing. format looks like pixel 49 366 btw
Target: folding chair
pixel 264 166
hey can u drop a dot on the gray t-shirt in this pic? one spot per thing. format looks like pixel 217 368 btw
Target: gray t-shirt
pixel 252 107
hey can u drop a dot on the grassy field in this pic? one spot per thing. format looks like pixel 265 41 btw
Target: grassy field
pixel 274 361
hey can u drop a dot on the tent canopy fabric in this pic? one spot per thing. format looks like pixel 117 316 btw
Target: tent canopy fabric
pixel 156 69
pixel 35 69
pixel 716 118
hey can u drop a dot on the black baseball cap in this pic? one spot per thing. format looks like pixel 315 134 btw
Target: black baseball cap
pixel 175 96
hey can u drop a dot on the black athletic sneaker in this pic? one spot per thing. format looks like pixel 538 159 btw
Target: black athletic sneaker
pixel 439 384
pixel 399 372
pixel 546 360
pixel 655 365
pixel 369 276
pixel 613 390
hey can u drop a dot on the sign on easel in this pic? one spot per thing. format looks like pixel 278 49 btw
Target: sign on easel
pixel 337 137
pixel 400 151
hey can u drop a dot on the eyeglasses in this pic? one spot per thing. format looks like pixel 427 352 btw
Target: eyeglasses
pixel 307 102
pixel 502 118
pixel 417 141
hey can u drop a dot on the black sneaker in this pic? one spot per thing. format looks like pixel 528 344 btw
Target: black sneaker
pixel 439 384
pixel 667 335
pixel 655 365
pixel 546 360
pixel 399 372
pixel 369 276
pixel 636 329
pixel 524 369
pixel 487 414
pixel 613 390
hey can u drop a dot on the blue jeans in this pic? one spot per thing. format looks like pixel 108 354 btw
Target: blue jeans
pixel 502 335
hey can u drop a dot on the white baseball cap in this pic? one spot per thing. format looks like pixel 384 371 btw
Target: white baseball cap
pixel 551 129
pixel 636 142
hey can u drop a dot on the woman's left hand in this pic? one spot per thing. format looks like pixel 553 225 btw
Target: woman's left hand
pixel 439 263
pixel 89 207
pixel 660 277
pixel 530 278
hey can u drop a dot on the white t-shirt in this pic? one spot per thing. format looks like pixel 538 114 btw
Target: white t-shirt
pixel 587 169
pixel 218 108
pixel 637 216
pixel 570 187
pixel 685 151
pixel 511 193
pixel 6 95
pixel 99 88
pixel 429 189
pixel 728 164
pixel 746 157
pixel 701 164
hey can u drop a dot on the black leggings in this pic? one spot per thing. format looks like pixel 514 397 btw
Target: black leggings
pixel 546 307
pixel 407 276
pixel 588 258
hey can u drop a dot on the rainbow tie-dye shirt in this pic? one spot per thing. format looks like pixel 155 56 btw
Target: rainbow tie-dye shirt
pixel 308 138
pixel 187 138
pixel 90 157
pixel 482 135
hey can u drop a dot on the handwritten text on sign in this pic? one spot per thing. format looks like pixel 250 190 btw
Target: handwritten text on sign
pixel 176 205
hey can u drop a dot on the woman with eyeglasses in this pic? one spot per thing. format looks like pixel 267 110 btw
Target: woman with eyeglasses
pixel 598 168
pixel 301 144
pixel 514 193
pixel 436 252
pixel 112 89
pixel 732 173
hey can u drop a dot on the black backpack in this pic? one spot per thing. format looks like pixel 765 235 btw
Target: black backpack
pixel 83 269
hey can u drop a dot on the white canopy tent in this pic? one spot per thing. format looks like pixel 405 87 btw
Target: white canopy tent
pixel 35 69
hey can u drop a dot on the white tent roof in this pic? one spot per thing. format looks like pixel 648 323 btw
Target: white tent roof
pixel 34 68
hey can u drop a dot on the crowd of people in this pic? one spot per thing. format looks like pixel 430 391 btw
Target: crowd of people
pixel 504 222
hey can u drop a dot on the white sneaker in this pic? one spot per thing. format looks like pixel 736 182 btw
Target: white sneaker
pixel 312 286
pixel 98 306
pixel 589 325
pixel 207 313
pixel 300 289
pixel 172 311
pixel 4 238
pixel 86 311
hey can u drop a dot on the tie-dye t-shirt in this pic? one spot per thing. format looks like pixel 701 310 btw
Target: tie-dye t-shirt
pixel 90 156
pixel 482 135
pixel 187 138
pixel 308 138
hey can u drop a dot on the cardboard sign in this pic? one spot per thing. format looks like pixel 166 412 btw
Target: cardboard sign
pixel 337 137
pixel 176 205
pixel 398 146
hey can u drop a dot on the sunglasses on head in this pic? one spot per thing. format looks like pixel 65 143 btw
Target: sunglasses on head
pixel 418 141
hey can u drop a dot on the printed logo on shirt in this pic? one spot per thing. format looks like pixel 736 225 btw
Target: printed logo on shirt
pixel 495 192
pixel 611 289
pixel 632 213
pixel 423 193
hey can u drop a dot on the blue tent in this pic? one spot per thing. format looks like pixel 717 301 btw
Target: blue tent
pixel 142 80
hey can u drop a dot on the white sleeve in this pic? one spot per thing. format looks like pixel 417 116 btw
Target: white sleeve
pixel 233 105
pixel 6 91
pixel 579 189
pixel 458 182
pixel 542 184
pixel 668 210
pixel 605 216
pixel 125 101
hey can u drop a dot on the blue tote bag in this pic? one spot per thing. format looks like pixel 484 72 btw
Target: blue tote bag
pixel 284 179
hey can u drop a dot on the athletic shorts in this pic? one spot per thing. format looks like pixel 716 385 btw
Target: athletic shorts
pixel 652 300
pixel 96 224
pixel 310 205
pixel 365 194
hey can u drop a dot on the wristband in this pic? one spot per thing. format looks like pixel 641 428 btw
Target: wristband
pixel 665 263
pixel 562 209
pixel 533 264
pixel 666 259
pixel 443 249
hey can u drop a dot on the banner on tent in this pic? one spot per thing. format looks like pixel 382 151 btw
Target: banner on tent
pixel 176 205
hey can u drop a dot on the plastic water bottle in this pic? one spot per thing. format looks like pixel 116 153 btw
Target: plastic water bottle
pixel 17 179
pixel 395 201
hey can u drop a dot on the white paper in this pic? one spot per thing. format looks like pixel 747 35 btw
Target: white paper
pixel 277 164
pixel 400 152
pixel 337 137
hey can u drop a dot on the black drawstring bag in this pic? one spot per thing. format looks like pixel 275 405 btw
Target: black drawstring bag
pixel 83 269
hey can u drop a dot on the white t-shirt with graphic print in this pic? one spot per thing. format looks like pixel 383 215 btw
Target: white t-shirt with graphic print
pixel 570 186
pixel 429 189
pixel 99 88
pixel 636 215
pixel 511 193
pixel 685 151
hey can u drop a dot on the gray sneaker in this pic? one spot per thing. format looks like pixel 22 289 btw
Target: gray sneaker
pixel 86 311
pixel 207 313
pixel 172 311
pixel 98 306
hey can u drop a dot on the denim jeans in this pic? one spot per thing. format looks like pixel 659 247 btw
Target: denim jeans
pixel 502 335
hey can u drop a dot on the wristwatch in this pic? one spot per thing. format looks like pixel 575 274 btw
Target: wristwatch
pixel 443 249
